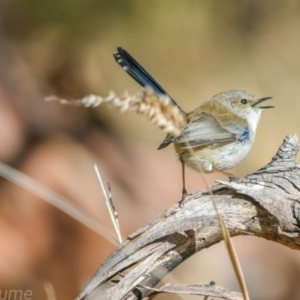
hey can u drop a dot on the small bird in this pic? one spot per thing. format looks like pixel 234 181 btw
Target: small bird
pixel 217 135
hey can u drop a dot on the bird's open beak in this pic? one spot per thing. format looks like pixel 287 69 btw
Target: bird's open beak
pixel 260 100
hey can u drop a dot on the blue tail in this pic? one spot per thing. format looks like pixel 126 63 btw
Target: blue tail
pixel 139 74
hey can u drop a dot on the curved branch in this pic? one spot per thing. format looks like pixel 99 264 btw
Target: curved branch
pixel 264 204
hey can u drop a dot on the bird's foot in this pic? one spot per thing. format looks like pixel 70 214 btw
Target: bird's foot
pixel 231 176
pixel 184 195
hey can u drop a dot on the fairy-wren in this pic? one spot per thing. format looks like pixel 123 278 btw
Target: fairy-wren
pixel 217 135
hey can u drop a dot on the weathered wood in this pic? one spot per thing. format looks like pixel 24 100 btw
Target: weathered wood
pixel 264 204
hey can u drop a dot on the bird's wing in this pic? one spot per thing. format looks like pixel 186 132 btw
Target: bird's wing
pixel 206 130
pixel 139 74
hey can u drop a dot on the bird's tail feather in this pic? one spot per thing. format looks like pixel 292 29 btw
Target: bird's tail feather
pixel 139 74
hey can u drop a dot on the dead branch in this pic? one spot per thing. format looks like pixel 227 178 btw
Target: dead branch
pixel 264 204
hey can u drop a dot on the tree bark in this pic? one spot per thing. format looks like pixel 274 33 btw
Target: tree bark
pixel 264 204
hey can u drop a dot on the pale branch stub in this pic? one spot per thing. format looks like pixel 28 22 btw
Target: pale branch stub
pixel 264 204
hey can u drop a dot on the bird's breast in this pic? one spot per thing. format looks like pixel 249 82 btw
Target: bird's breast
pixel 214 157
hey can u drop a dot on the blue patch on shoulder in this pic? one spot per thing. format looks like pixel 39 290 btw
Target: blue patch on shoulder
pixel 244 135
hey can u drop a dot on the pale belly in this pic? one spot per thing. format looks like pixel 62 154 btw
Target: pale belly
pixel 211 158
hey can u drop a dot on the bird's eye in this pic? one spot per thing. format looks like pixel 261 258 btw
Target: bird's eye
pixel 244 101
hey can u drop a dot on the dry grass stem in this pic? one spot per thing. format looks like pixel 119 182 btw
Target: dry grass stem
pixel 50 293
pixel 56 200
pixel 228 243
pixel 159 110
pixel 109 203
pixel 234 259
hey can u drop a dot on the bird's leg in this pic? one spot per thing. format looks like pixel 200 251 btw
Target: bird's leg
pixel 231 176
pixel 184 191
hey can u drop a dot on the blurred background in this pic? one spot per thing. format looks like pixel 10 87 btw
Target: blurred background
pixel 195 49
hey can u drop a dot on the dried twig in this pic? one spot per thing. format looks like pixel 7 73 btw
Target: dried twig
pixel 207 290
pixel 263 204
